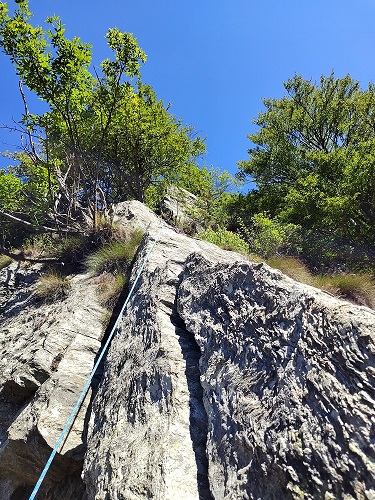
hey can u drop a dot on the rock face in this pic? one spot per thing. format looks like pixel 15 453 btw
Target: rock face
pixel 46 353
pixel 288 382
pixel 225 380
pixel 177 206
pixel 148 423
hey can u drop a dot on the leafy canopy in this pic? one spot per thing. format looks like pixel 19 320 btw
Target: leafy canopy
pixel 313 158
pixel 105 137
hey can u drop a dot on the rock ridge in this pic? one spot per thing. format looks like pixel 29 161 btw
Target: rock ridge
pixel 225 380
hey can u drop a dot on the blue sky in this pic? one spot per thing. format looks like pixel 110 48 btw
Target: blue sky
pixel 215 60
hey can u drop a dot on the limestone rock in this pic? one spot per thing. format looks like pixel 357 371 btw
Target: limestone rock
pixel 148 424
pixel 47 351
pixel 134 215
pixel 177 205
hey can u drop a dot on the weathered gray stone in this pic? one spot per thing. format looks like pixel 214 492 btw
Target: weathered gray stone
pixel 47 350
pixel 177 207
pixel 288 381
pixel 225 380
pixel 148 423
pixel 134 215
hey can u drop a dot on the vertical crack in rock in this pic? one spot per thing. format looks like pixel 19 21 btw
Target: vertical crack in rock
pixel 286 374
pixel 147 424
pixel 198 417
pixel 148 429
pixel 288 380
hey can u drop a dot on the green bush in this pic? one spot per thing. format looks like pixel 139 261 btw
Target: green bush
pixel 268 237
pixel 323 251
pixel 225 239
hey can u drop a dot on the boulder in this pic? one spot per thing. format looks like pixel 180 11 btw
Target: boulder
pixel 148 424
pixel 287 374
pixel 177 208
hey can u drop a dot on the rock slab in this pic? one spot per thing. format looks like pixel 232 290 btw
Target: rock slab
pixel 225 380
pixel 288 382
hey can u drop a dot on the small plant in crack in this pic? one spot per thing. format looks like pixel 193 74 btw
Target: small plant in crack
pixel 52 286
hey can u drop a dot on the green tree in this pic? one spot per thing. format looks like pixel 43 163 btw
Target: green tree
pixel 313 160
pixel 146 146
pixel 105 136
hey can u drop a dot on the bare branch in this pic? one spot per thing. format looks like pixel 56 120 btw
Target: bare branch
pixel 21 257
pixel 37 229
pixel 31 142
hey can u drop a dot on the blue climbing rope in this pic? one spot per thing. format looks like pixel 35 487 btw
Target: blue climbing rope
pixel 87 385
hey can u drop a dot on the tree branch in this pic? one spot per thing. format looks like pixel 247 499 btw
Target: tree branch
pixel 20 257
pixel 37 229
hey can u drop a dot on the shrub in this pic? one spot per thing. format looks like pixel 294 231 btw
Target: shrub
pixel 38 245
pixel 52 286
pixel 324 251
pixel 72 248
pixel 114 257
pixel 268 237
pixel 274 236
pixel 4 261
pixel 225 239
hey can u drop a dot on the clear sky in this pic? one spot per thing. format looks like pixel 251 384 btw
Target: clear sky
pixel 215 60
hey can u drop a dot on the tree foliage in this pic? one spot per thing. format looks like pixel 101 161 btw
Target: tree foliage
pixel 313 158
pixel 105 137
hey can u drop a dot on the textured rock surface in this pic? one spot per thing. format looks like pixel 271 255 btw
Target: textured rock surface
pixel 47 351
pixel 288 383
pixel 147 433
pixel 225 380
pixel 135 215
pixel 177 205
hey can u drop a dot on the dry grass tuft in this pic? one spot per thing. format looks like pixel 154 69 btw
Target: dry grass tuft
pixel 4 261
pixel 109 289
pixel 114 257
pixel 111 263
pixel 52 286
pixel 358 288
pixel 293 268
pixel 254 257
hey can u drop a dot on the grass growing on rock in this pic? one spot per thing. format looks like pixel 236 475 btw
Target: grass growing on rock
pixel 4 261
pixel 115 256
pixel 358 288
pixel 112 263
pixel 52 286
pixel 109 289
pixel 293 268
